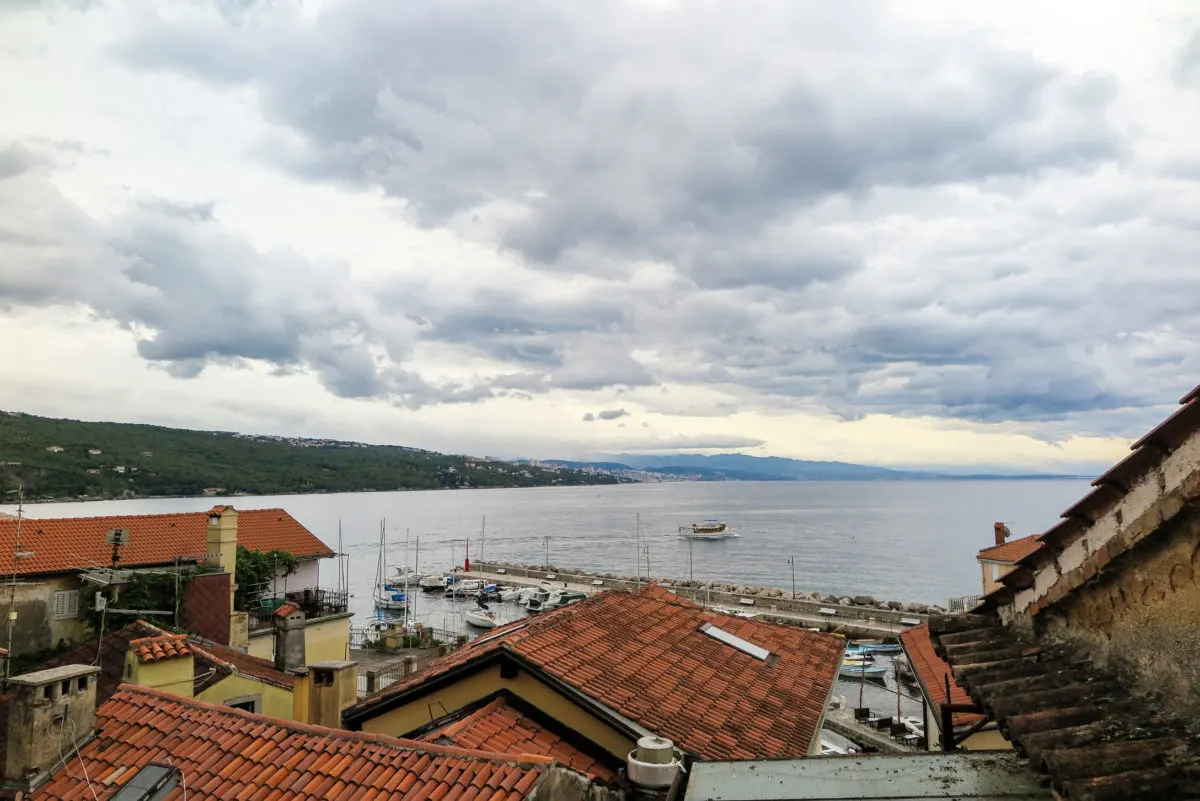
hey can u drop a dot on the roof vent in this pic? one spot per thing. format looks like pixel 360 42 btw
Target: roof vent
pixel 151 783
pixel 735 641
pixel 654 763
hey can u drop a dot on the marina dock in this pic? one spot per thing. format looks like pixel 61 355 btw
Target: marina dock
pixel 852 621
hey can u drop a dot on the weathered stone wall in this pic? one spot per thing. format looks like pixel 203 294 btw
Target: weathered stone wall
pixel 1143 611
pixel 1158 496
pixel 36 628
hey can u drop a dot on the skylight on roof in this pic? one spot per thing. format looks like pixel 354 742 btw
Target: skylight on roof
pixel 735 641
pixel 491 637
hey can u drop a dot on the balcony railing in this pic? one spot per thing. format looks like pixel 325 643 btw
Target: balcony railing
pixel 315 602
pixel 964 603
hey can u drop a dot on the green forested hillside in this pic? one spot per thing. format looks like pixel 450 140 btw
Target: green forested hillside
pixel 148 461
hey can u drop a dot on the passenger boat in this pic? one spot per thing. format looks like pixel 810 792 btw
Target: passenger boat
pixel 708 530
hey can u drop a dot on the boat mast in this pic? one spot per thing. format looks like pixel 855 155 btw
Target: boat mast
pixel 637 548
pixel 406 572
pixel 416 569
pixel 375 594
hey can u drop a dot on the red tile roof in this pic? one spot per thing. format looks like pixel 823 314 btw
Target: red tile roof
pixel 160 648
pixel 500 728
pixel 643 656
pixel 1013 550
pixel 286 608
pixel 243 664
pixel 228 753
pixel 69 543
pixel 931 671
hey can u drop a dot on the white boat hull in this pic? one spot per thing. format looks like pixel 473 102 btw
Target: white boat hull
pixel 688 534
pixel 480 619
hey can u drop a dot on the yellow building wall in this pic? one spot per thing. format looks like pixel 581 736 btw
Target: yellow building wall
pixel 324 640
pixel 276 701
pixel 173 676
pixel 989 740
pixel 262 645
pixel 1001 571
pixel 327 639
pixel 402 720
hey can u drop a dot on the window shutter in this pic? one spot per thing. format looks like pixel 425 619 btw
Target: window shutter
pixel 60 603
pixel 73 603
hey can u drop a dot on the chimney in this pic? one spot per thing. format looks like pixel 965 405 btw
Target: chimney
pixel 222 539
pixel 289 637
pixel 51 712
pixel 333 687
pixel 1002 533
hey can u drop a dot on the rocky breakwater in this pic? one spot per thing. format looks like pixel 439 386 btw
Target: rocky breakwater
pixel 863 607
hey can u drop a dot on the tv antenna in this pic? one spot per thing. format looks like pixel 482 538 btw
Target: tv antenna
pixel 17 554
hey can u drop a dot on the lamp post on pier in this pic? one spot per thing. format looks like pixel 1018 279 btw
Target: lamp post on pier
pixel 546 545
pixel 792 562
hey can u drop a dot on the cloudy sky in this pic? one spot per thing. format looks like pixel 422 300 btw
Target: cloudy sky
pixel 911 233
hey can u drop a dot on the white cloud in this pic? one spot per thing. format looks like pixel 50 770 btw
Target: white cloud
pixel 962 229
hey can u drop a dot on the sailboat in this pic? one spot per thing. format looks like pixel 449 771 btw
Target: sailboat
pixel 387 597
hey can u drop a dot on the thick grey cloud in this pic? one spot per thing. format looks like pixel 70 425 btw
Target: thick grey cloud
pixel 630 131
pixel 842 210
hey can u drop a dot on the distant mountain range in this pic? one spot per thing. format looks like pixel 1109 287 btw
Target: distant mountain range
pixel 740 467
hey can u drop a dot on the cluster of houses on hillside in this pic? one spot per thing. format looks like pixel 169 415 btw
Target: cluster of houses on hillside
pixel 1069 677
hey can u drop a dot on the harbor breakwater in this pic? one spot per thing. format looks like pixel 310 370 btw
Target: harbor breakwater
pixel 764 599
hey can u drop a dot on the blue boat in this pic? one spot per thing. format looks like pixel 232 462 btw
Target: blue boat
pixel 852 671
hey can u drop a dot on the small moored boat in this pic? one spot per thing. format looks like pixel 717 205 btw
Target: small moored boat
pixel 862 670
pixel 434 582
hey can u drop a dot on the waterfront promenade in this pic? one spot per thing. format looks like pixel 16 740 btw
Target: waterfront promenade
pixel 852 621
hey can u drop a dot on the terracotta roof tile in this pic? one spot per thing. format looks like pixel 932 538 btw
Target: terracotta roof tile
pixel 1013 550
pixel 160 647
pixel 500 728
pixel 932 672
pixel 1082 723
pixel 286 608
pixel 244 664
pixel 643 656
pixel 71 543
pixel 228 753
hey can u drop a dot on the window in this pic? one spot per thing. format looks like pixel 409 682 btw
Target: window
pixel 66 604
pixel 735 641
pixel 995 572
pixel 248 703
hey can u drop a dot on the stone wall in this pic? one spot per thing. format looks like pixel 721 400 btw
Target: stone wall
pixel 36 627
pixel 1159 495
pixel 1143 611
pixel 853 607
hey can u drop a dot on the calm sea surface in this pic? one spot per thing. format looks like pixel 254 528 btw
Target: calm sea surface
pixel 905 541
pixel 895 540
